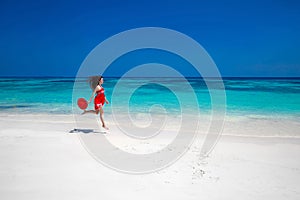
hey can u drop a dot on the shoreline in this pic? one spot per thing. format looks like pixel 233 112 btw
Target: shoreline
pixel 238 126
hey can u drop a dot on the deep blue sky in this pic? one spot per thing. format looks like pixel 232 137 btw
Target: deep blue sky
pixel 245 38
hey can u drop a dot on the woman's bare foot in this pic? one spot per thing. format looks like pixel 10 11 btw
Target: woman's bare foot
pixel 105 127
pixel 84 111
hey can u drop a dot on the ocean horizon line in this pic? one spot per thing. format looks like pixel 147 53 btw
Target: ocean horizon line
pixel 195 77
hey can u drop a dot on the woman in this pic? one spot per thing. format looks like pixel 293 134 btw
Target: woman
pixel 96 85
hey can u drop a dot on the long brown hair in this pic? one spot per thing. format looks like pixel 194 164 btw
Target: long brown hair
pixel 94 81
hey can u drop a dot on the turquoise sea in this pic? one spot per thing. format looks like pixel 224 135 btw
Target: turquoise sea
pixel 264 97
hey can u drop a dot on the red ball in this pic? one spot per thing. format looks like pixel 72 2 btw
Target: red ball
pixel 82 103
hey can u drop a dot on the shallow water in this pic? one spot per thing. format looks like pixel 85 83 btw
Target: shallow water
pixel 253 97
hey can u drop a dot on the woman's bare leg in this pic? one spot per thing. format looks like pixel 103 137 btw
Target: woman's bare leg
pixel 89 111
pixel 102 119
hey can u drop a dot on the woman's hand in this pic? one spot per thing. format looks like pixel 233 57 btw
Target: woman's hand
pixel 107 102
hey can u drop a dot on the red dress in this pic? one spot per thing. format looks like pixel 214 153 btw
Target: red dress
pixel 99 99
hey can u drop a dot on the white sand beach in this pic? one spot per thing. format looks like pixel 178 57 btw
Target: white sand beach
pixel 40 159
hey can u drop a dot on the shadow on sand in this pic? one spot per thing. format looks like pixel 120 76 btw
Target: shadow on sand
pixel 76 130
pixel 86 131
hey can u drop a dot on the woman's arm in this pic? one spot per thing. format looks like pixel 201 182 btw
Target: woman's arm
pixel 93 94
pixel 107 102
